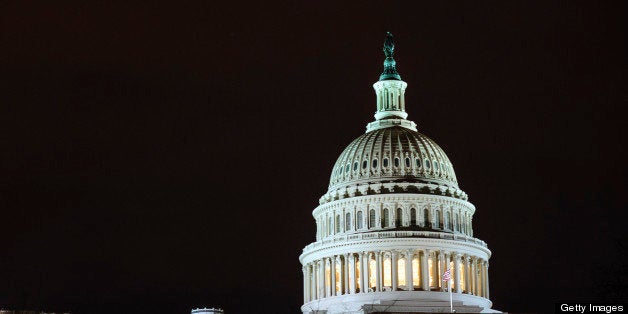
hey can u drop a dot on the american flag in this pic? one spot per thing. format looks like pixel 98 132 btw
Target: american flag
pixel 447 275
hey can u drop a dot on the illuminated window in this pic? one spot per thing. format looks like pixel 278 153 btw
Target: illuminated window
pixel 399 217
pixel 401 271
pixel 359 220
pixel 412 217
pixel 339 278
pixel 387 272
pixel 416 272
pixel 358 276
pixel 327 276
pixel 462 275
pixel 347 221
pixel 432 265
pixel 385 219
pixel 372 273
pixel 372 218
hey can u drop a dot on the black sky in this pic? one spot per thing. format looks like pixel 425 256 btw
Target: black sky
pixel 161 156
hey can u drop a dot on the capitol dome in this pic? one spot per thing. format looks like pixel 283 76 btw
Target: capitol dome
pixel 394 154
pixel 394 232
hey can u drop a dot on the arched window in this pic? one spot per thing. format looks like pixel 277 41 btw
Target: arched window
pixel 385 162
pixel 374 163
pixel 398 218
pixel 337 223
pixel 385 219
pixel 427 164
pixel 437 214
pixel 364 164
pixel 412 217
pixel 347 221
pixel 396 162
pixel 359 220
pixel 426 218
pixel 355 166
pixel 436 165
pixel 418 162
pixel 448 220
pixel 372 218
pixel 329 226
pixel 407 162
pixel 457 223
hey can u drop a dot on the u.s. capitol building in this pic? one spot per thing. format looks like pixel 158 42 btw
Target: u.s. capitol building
pixel 392 221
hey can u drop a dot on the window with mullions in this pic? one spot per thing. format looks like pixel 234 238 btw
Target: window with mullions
pixel 359 218
pixel 372 218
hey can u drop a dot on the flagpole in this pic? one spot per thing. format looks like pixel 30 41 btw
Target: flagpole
pixel 451 300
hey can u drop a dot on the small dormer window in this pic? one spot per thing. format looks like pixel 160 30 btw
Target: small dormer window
pixel 418 163
pixel 355 166
pixel 374 163
pixel 347 168
pixel 407 162
pixel 396 162
pixel 385 162
pixel 365 164
pixel 435 165
pixel 427 164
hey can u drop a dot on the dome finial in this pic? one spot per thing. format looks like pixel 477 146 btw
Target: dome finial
pixel 390 70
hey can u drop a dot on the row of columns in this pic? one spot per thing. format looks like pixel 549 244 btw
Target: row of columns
pixel 457 221
pixel 377 271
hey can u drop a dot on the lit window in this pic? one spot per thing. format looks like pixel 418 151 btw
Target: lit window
pixel 387 272
pixel 372 273
pixel 401 272
pixel 416 272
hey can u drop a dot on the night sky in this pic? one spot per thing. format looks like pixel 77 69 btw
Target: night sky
pixel 161 157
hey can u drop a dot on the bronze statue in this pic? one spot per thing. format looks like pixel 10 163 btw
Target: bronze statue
pixel 389 45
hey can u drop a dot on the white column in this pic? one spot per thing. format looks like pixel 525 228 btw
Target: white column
pixel 345 286
pixel 333 275
pixel 425 271
pixel 393 262
pixel 321 279
pixel 456 273
pixel 378 269
pixel 488 291
pixel 441 263
pixel 473 277
pixel 352 273
pixel 304 284
pixel 409 283
pixel 467 272
pixel 363 272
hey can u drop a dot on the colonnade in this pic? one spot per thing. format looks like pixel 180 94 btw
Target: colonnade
pixel 394 270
